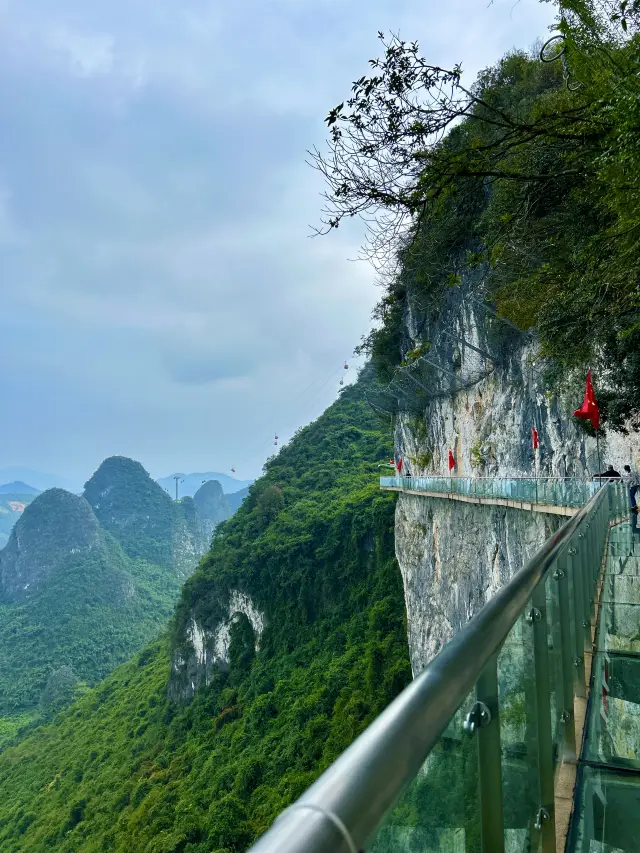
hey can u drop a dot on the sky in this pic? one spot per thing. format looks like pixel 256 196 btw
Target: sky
pixel 160 294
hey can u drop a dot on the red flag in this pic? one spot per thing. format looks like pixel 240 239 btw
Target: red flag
pixel 399 465
pixel 452 461
pixel 534 438
pixel 589 410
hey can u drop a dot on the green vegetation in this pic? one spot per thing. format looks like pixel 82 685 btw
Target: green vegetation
pixel 75 600
pixel 72 606
pixel 140 514
pixel 125 770
pixel 91 617
pixel 531 191
pixel 477 457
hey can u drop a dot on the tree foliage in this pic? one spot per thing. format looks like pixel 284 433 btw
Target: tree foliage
pixel 530 175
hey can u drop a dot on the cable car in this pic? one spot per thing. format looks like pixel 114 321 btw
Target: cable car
pixel 346 366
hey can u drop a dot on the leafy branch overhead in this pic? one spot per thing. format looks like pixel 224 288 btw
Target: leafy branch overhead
pixel 392 144
pixel 532 175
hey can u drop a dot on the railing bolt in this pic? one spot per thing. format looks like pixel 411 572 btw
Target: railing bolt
pixel 543 817
pixel 577 661
pixel 533 615
pixel 558 574
pixel 585 624
pixel 573 551
pixel 565 716
pixel 581 535
pixel 477 717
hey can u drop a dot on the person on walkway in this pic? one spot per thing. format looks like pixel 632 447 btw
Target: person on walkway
pixel 609 474
pixel 632 481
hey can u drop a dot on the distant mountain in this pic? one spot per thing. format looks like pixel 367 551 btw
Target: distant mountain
pixel 190 483
pixel 39 480
pixel 72 604
pixel 235 500
pixel 17 487
pixel 86 580
pixel 143 518
pixel 12 505
pixel 213 506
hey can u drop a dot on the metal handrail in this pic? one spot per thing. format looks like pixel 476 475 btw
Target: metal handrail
pixel 342 809
pixel 528 478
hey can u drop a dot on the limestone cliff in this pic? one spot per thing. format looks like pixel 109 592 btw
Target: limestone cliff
pixel 482 390
pixel 206 643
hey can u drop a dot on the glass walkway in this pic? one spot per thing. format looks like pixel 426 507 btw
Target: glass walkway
pixel 608 785
pixel 521 735
pixel 548 491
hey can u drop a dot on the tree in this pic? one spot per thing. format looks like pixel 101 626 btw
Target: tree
pixel 62 688
pixel 270 503
pixel 531 175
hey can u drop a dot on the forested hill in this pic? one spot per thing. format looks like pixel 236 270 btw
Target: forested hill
pixel 72 606
pixel 127 769
pixel 85 582
pixel 143 518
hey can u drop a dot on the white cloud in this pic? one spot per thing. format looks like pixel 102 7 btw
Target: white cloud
pixel 161 296
pixel 88 55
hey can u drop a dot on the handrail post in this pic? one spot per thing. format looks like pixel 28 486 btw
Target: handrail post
pixel 585 562
pixel 564 620
pixel 490 762
pixel 546 821
pixel 573 567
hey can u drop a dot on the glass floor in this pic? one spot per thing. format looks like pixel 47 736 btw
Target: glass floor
pixel 607 804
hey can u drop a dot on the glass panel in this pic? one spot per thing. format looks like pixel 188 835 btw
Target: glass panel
pixel 518 736
pixel 544 490
pixel 614 725
pixel 619 627
pixel 439 812
pixel 609 812
pixel 622 587
pixel 555 665
pixel 625 541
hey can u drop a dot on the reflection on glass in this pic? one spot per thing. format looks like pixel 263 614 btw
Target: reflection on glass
pixel 609 813
pixel 439 811
pixel 518 735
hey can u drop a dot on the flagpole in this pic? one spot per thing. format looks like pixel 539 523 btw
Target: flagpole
pixel 598 450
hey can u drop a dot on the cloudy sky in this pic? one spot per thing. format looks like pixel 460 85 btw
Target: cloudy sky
pixel 160 296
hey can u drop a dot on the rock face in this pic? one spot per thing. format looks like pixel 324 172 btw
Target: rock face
pixel 143 518
pixel 55 527
pixel 212 506
pixel 454 556
pixel 206 646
